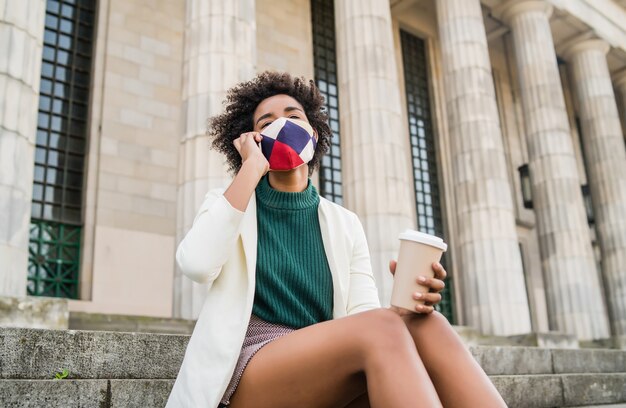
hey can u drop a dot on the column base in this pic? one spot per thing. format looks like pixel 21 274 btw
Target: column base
pixel 551 339
pixel 473 337
pixel 35 312
pixel 614 342
pixel 619 342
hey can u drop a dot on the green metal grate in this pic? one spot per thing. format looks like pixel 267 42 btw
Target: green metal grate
pixel 54 252
pixel 325 64
pixel 423 154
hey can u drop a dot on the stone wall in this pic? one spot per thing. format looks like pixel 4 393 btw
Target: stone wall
pixel 131 182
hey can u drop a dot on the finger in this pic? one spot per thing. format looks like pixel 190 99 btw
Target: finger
pixel 392 266
pixel 435 284
pixel 244 138
pixel 237 144
pixel 440 272
pixel 428 298
pixel 424 309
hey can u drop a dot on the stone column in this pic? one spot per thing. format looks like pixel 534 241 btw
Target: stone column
pixel 220 51
pixel 572 282
pixel 605 161
pixel 620 85
pixel 21 42
pixel 493 283
pixel 376 179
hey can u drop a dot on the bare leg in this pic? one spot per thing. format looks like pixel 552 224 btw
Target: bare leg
pixel 459 380
pixel 326 365
pixel 360 402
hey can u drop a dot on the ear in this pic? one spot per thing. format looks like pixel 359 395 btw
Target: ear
pixel 315 135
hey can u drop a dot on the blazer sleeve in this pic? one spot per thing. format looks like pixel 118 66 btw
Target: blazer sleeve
pixel 362 294
pixel 213 236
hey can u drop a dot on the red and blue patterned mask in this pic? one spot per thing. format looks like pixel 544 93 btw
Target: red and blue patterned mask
pixel 288 143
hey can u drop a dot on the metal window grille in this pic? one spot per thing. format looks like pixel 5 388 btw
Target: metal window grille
pixel 423 154
pixel 56 208
pixel 325 65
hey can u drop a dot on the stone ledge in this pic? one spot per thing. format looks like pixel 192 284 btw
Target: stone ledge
pixel 34 312
pixel 530 391
pixel 562 390
pixel 129 323
pixel 503 360
pixel 525 391
pixel 547 340
pixel 39 353
pixel 594 388
pixel 84 393
pixel 53 393
pixel 589 361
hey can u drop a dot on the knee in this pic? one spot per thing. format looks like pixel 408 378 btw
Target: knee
pixel 383 329
pixel 433 322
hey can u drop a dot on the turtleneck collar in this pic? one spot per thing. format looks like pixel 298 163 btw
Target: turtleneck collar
pixel 269 197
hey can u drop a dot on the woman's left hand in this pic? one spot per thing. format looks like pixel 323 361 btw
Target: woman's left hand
pixel 435 285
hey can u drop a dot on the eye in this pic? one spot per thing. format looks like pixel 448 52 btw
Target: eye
pixel 265 124
pixel 294 117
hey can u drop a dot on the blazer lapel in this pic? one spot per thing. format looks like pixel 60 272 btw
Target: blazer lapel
pixel 249 240
pixel 339 307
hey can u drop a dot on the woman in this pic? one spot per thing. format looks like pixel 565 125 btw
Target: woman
pixel 292 317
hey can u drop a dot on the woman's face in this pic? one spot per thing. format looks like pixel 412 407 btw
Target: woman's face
pixel 275 107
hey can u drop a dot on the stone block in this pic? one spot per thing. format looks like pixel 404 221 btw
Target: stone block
pixel 38 354
pixel 34 312
pixel 594 388
pixel 135 118
pixel 53 393
pixel 513 360
pixel 589 361
pixel 530 391
pixel 154 46
pixel 140 393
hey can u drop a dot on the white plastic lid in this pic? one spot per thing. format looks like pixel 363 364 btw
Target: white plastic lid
pixel 411 235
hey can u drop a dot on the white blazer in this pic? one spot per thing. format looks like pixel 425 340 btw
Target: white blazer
pixel 221 249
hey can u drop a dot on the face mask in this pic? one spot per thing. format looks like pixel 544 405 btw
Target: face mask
pixel 288 144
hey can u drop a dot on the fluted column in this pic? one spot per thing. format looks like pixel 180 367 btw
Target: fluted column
pixel 376 180
pixel 21 41
pixel 220 51
pixel 573 291
pixel 605 161
pixel 493 284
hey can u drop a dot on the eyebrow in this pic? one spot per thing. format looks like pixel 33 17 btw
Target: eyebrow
pixel 287 109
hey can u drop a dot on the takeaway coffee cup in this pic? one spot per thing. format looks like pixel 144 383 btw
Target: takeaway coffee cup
pixel 418 251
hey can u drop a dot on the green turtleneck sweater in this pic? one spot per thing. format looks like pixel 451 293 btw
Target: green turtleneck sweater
pixel 293 281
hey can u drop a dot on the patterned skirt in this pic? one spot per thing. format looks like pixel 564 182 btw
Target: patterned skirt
pixel 258 335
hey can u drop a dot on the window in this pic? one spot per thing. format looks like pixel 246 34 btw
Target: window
pixel 423 154
pixel 56 208
pixel 325 64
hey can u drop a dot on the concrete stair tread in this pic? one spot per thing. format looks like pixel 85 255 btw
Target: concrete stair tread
pixel 519 391
pixel 126 369
pixel 38 353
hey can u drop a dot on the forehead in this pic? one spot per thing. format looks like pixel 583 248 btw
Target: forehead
pixel 276 104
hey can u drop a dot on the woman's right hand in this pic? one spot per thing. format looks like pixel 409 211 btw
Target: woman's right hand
pixel 248 147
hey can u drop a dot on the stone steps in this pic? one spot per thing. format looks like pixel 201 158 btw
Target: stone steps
pixel 520 391
pixel 123 369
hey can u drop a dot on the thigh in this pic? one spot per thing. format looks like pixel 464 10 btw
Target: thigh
pixel 362 401
pixel 317 366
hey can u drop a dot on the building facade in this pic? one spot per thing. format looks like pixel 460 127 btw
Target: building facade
pixel 497 125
